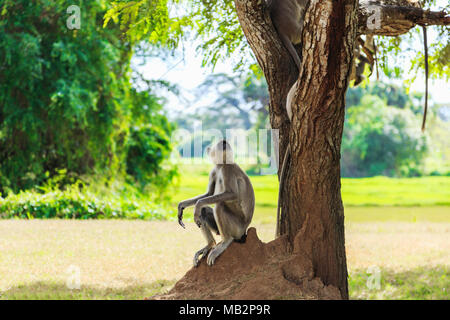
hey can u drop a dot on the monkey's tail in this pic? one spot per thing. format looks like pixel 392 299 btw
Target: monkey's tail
pixel 287 155
pixel 376 59
pixel 425 43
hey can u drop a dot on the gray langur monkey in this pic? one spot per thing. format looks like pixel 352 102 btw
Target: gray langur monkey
pixel 370 50
pixel 288 19
pixel 368 47
pixel 231 191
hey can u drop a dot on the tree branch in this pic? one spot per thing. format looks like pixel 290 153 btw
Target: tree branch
pixel 375 17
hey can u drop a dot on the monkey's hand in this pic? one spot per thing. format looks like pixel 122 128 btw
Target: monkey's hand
pixel 197 213
pixel 180 215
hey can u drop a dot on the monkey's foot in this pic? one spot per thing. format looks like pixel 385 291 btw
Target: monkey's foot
pixel 202 252
pixel 217 251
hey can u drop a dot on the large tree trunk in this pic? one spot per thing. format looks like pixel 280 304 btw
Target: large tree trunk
pixel 313 214
pixel 313 185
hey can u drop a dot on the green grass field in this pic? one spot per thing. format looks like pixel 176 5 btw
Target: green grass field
pixel 411 199
pixel 400 227
pixel 133 259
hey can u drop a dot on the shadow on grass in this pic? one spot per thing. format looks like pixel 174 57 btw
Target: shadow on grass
pixel 422 283
pixel 42 290
pixel 419 283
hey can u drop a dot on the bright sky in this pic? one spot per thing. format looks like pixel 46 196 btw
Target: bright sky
pixel 185 70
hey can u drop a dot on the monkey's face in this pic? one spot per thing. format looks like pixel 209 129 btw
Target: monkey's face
pixel 221 153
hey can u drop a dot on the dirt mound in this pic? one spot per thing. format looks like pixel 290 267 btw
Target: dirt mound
pixel 253 270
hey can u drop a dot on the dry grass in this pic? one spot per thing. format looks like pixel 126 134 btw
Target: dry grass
pixel 129 259
pixel 397 245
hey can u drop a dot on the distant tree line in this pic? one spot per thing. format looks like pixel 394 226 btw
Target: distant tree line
pixel 382 133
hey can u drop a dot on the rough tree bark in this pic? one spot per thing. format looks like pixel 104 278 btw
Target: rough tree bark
pixel 313 214
pixel 396 16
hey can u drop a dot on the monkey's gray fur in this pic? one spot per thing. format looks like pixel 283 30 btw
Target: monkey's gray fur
pixel 288 17
pixel 231 191
pixel 367 47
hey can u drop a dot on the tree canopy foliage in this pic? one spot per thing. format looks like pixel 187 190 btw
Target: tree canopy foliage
pixel 66 100
pixel 216 24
